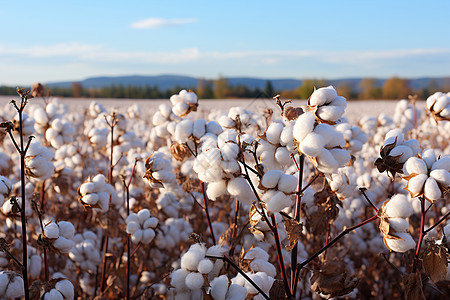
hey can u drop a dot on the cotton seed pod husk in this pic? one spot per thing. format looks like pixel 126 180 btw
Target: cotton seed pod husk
pixel 291 113
pixel 180 151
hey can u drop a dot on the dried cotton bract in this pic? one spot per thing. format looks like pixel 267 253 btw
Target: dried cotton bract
pixel 394 224
pixel 427 176
pixel 141 226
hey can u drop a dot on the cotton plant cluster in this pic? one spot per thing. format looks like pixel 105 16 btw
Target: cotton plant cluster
pixel 176 153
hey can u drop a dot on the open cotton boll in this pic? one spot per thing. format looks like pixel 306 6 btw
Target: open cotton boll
pixel 326 131
pixel 236 292
pixel 322 96
pixel 271 178
pixel 256 253
pixel 273 133
pixel 429 157
pixel 286 136
pixel 442 163
pixel 260 265
pixel 326 160
pixel 205 266
pixel 51 230
pixel 312 144
pixel 339 101
pixel 342 156
pixel 229 151
pixel 303 125
pixel 403 244
pixel 199 128
pixel 66 229
pixel 231 166
pixel 392 136
pixel 65 287
pixel 415 165
pixel 192 257
pixel 177 278
pixel 240 188
pixel 63 245
pixel 330 113
pixel 398 207
pixel 287 183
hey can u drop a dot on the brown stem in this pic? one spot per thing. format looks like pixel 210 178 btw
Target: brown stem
pixel 205 209
pixel 437 223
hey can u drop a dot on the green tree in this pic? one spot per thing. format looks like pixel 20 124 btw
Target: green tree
pixel 268 89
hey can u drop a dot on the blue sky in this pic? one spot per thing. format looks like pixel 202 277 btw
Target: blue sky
pixel 49 41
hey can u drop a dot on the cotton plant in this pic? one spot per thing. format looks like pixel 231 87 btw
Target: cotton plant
pixel 86 251
pixel 38 162
pixel 277 189
pixel 394 224
pixel 158 170
pixel 184 102
pixel 240 117
pixel 196 270
pixel 427 175
pixel 95 193
pixel 59 236
pixel 438 105
pixel 59 288
pixel 141 226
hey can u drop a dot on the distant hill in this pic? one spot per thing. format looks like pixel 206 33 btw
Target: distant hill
pixel 164 82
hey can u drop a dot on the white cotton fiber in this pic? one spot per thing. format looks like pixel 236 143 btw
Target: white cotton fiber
pixel 286 137
pixel 256 253
pixel 393 135
pixel 401 245
pixel 399 207
pixel 230 166
pixel 287 183
pixel 278 202
pixel 214 128
pixel 339 101
pixel 312 144
pixel 326 131
pixel 190 259
pixel 402 152
pixel 178 278
pixel 229 151
pixel 199 128
pixel 147 235
pixel 240 188
pixel 322 96
pixel 236 292
pixel 65 287
pixel 205 266
pixel 415 184
pixel 327 160
pixel 216 189
pixel 398 224
pixel 194 281
pixel 441 176
pixel 63 245
pixel 342 156
pixel 303 125
pixel 219 287
pixel 273 133
pixel 431 190
pixel 66 229
pixel 282 156
pixel 330 113
pixel 271 178
pixel 261 265
pixel 415 165
pixel 51 231
pixel 143 215
pixel 442 163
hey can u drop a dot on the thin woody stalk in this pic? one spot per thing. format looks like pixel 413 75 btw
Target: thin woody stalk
pixel 206 210
pixel 421 234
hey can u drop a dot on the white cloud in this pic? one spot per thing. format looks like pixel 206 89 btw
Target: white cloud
pixel 159 22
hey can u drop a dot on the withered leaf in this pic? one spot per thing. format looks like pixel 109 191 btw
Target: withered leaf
pixel 277 291
pixel 226 238
pixel 333 280
pixel 413 287
pixel 294 231
pixel 435 262
pixel 180 151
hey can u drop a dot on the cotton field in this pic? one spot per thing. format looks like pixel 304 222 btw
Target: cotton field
pixel 289 202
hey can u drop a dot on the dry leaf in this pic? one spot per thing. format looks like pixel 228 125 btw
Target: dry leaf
pixel 226 238
pixel 294 232
pixel 180 151
pixel 333 280
pixel 413 287
pixel 435 262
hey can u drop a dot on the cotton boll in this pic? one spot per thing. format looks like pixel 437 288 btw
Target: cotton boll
pixel 147 236
pixel 282 156
pixel 256 253
pixel 441 176
pixel 132 227
pixel 326 131
pixel 330 113
pixel 14 288
pixel 229 151
pixel 236 292
pixel 403 244
pixel 151 222
pixel 415 165
pixel 238 186
pixel 273 133
pixel 342 156
pixel 327 160
pixel 143 215
pixel 322 96
pixel 219 287
pixel 312 144
pixel 260 265
pixel 271 178
pixel 216 189
pixel 178 278
pixel 416 184
pixel 205 266
pixel 214 128
pixel 51 231
pixel 303 125
pixel 286 136
pixel 65 287
pixel 66 229
pixel 403 153
pixel 339 101
pixel 442 163
pixel 431 190
pixel 277 202
pixel 398 207
pixel 398 224
pixel 194 281
pixel 199 128
pixel 231 166
pixel 287 183
pixel 191 259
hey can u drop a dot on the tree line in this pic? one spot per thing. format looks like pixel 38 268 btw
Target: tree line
pixel 367 88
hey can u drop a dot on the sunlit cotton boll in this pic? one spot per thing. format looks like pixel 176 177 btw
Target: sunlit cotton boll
pixel 11 285
pixel 191 259
pixel 303 126
pixel 398 207
pixel 38 161
pixel 141 226
pixel 405 243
